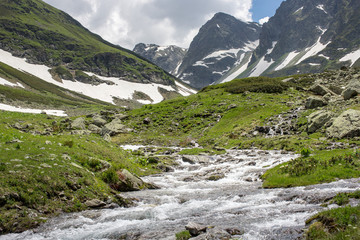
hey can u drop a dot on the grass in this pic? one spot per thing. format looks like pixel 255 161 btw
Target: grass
pixel 51 174
pixel 324 166
pixel 336 224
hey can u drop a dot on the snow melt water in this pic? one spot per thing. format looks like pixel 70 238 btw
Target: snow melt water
pixel 235 201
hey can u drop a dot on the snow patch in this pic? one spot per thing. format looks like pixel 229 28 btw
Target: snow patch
pixel 272 48
pixel 314 64
pixel 121 89
pixel 9 108
pixel 183 90
pixel 287 60
pixel 300 9
pixel 7 83
pixel 237 72
pixel 223 72
pixel 218 26
pixel 353 57
pixel 322 55
pixel 316 48
pixel 321 7
pixel 261 67
pixel 200 64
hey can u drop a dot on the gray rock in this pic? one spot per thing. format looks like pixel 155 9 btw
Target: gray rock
pixel 94 129
pixel 95 203
pixel 195 229
pixel 130 182
pixel 113 128
pixel 78 124
pixel 147 121
pixel 107 137
pixel 321 90
pixel 214 234
pixel 351 90
pixel 318 119
pixel 98 121
pixel 314 102
pixel 121 116
pixel 193 159
pixel 347 125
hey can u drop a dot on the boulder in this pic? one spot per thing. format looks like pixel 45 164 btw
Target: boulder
pixel 113 128
pixel 95 203
pixel 195 229
pixel 318 119
pixel 98 121
pixel 314 102
pixel 147 121
pixel 121 116
pixel 94 129
pixel 78 124
pixel 214 234
pixel 351 90
pixel 130 182
pixel 321 90
pixel 347 125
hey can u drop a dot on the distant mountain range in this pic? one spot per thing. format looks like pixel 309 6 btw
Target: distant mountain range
pixel 304 36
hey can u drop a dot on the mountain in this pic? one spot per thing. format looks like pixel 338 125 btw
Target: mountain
pixel 168 58
pixel 221 43
pixel 307 36
pixel 60 51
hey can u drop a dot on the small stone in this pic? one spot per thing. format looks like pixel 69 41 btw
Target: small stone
pixel 195 229
pixel 44 165
pixel 47 142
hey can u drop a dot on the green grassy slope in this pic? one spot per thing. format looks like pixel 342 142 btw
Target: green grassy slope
pixel 41 33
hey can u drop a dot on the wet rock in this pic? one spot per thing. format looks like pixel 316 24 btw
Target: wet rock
pixel 234 231
pixel 314 102
pixel 251 164
pixel 95 203
pixel 195 229
pixel 214 234
pixel 192 159
pixel 78 124
pixel 216 177
pixel 347 125
pixel 318 119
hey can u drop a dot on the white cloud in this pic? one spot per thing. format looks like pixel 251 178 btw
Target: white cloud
pixel 264 20
pixel 163 22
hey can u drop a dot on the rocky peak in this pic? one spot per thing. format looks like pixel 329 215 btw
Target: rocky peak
pixel 168 58
pixel 215 49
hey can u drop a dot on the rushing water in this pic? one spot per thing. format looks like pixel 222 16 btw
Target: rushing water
pixel 235 201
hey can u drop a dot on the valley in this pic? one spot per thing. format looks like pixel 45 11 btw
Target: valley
pixel 252 132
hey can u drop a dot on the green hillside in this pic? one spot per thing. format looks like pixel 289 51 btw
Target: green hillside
pixel 43 34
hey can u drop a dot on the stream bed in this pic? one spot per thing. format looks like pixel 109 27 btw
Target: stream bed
pixel 223 191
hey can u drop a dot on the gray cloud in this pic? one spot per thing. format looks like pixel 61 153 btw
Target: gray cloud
pixel 163 22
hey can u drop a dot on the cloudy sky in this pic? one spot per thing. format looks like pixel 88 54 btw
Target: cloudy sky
pixel 164 22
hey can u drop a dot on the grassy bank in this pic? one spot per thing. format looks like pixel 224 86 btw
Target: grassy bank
pixel 43 175
pixel 320 167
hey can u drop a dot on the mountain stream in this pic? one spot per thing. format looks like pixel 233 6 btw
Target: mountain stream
pixel 223 191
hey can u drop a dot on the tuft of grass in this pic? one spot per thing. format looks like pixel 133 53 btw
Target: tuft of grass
pixel 184 235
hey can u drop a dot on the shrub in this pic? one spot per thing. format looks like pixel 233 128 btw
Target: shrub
pixel 109 176
pixel 305 153
pixel 69 144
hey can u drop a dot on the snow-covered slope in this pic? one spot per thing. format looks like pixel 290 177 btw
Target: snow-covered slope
pixel 120 89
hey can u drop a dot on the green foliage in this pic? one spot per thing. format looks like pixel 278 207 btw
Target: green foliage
pixel 62 72
pixel 340 223
pixel 109 176
pixel 324 166
pixel 184 235
pixel 305 153
pixel 69 143
pixel 253 84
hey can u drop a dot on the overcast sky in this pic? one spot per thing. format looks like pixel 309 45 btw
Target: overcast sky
pixel 164 22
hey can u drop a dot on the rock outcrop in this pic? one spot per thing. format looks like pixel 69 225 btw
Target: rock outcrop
pixel 347 125
pixel 318 119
